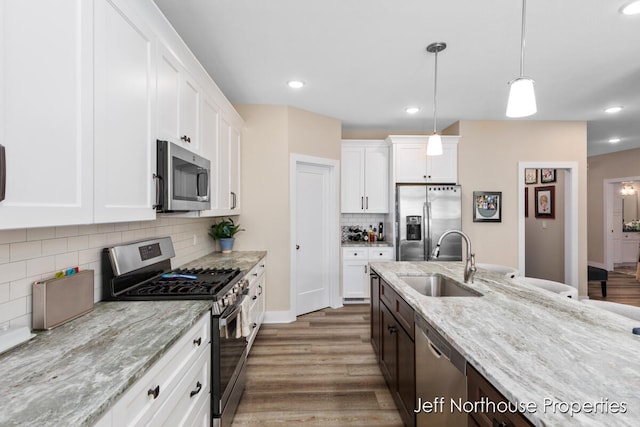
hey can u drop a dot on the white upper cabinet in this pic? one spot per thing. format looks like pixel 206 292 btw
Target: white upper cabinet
pixel 412 165
pixel 124 137
pixel 87 87
pixel 46 117
pixel 365 176
pixel 178 102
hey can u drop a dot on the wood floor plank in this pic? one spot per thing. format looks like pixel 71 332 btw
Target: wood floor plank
pixel 317 371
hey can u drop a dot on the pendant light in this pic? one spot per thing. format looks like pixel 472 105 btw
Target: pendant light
pixel 522 97
pixel 434 145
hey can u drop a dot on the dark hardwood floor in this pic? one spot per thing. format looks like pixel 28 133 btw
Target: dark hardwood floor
pixel 622 288
pixel 317 371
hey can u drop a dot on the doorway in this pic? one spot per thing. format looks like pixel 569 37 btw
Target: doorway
pixel 570 172
pixel 314 195
pixel 613 220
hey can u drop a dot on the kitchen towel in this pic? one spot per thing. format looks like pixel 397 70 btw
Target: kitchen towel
pixel 245 317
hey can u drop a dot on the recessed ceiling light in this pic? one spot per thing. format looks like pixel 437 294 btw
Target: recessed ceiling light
pixel 295 84
pixel 632 8
pixel 614 140
pixel 412 110
pixel 613 109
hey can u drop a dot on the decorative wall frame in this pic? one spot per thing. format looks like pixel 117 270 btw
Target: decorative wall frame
pixel 487 206
pixel 546 202
pixel 547 175
pixel 531 176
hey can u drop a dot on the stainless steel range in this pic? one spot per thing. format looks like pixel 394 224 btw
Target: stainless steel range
pixel 142 271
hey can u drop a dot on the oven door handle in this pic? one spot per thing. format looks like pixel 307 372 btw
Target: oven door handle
pixel 224 320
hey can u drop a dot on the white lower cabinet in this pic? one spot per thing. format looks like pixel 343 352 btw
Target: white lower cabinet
pixel 174 389
pixel 355 269
pixel 257 298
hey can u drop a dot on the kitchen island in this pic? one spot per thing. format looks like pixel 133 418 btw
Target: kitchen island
pixel 569 363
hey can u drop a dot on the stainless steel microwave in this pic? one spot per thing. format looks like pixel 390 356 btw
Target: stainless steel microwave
pixel 182 179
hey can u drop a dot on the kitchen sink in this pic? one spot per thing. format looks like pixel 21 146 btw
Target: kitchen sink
pixel 437 285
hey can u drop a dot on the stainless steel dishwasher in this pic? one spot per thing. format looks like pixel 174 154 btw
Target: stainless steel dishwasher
pixel 440 378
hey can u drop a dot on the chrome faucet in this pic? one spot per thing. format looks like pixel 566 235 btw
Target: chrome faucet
pixel 470 262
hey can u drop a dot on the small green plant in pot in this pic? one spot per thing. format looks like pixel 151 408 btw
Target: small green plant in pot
pixel 224 231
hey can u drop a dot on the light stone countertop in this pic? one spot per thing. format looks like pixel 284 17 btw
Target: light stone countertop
pixel 534 345
pixel 376 244
pixel 71 375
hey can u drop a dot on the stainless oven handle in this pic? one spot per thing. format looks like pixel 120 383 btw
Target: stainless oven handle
pixel 224 321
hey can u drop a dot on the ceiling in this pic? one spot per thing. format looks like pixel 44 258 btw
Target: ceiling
pixel 364 61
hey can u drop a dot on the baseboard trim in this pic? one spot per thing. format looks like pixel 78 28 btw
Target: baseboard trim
pixel 279 317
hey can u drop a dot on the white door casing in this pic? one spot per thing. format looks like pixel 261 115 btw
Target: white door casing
pixel 314 194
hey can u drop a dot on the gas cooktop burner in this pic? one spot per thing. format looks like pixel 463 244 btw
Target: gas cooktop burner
pixel 203 282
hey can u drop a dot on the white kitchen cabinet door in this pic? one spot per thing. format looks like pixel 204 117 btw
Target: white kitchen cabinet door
pixel 376 179
pixel 46 117
pixel 352 191
pixel 355 275
pixel 410 163
pixel 168 95
pixel 444 168
pixel 210 144
pixel 365 177
pixel 179 102
pixel 229 169
pixel 124 133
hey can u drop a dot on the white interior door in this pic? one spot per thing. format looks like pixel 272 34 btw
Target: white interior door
pixel 312 282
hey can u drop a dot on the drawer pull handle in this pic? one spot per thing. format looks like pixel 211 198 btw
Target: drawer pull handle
pixel 260 287
pixel 185 138
pixel 198 341
pixel 262 265
pixel 254 325
pixel 255 274
pixel 392 329
pixel 255 297
pixel 197 390
pixel 155 392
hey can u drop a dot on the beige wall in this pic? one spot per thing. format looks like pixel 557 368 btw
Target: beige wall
pixel 270 135
pixel 606 166
pixel 488 156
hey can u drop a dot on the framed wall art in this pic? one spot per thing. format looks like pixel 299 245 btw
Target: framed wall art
pixel 546 202
pixel 487 206
pixel 531 176
pixel 547 175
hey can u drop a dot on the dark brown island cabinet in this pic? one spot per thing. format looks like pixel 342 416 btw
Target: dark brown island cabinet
pixel 392 338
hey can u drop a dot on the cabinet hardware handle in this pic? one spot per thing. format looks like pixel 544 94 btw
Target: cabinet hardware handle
pixel 297 247
pixel 198 341
pixel 155 392
pixel 233 200
pixel 367 205
pixel 255 274
pixel 254 325
pixel 260 287
pixel 255 297
pixel 185 138
pixel 197 390
pixel 365 269
pixel 392 329
pixel 362 203
pixel 262 265
pixel 3 172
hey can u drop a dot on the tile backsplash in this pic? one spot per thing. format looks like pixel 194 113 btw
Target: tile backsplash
pixel 28 255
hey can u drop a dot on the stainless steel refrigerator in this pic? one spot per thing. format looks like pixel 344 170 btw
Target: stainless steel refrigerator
pixel 423 214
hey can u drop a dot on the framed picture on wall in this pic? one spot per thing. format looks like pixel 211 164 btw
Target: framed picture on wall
pixel 531 176
pixel 547 175
pixel 487 206
pixel 546 202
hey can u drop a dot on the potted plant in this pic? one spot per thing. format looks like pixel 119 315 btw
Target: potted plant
pixel 224 231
